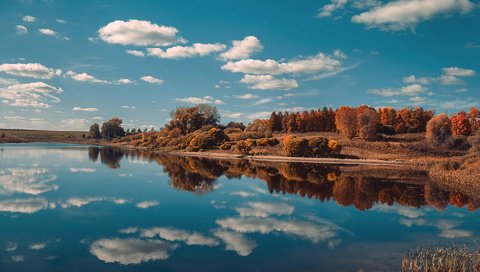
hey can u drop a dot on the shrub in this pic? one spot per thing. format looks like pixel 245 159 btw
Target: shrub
pixel 262 142
pixel 218 135
pixel 175 133
pixel 475 143
pixel 439 130
pixel 296 147
pixel 318 147
pixel 461 125
pixel 287 139
pixel 226 146
pixel 245 146
pixel 3 135
pixel 273 141
pixel 201 142
pixel 458 142
pixel 334 147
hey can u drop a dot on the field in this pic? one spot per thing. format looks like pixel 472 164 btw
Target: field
pixel 24 136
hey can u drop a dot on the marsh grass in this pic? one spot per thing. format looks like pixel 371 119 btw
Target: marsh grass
pixel 441 259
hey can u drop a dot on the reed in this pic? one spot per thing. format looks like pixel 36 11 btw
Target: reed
pixel 441 259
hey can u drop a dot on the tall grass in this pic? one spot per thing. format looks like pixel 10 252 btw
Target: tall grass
pixel 441 259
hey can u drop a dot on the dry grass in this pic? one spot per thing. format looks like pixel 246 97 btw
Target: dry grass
pixel 441 259
pixel 22 135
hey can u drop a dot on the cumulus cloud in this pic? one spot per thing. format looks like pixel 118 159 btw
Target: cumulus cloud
pixel 243 194
pixel 327 10
pixel 128 107
pixel 406 14
pixel 83 170
pixel 178 52
pixel 47 32
pixel 84 77
pixel 401 210
pixel 38 246
pixel 246 96
pixel 136 53
pixel 458 72
pixel 171 234
pixel 33 70
pixel 84 109
pixel 199 100
pixel 236 242
pixel 140 33
pixel 263 209
pixel 32 181
pixel 26 205
pixel 153 80
pixel 21 29
pixel 243 49
pixel 35 95
pixel 75 123
pixel 147 204
pixel 410 90
pixel 268 82
pixel 29 19
pixel 130 251
pixel 125 81
pixel 450 76
pixel 82 201
pixel 309 65
pixel 303 229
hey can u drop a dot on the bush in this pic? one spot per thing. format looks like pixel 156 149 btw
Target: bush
pixel 245 146
pixel 268 142
pixel 334 147
pixel 439 130
pixel 296 147
pixel 459 142
pixel 201 142
pixel 318 147
pixel 226 146
pixel 218 135
pixel 474 141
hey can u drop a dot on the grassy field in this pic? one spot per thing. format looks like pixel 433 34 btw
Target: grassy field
pixel 22 135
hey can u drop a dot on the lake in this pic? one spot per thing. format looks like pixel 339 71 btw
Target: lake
pixel 79 208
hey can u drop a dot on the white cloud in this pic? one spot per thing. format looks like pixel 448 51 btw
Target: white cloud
pixel 309 65
pixel 75 124
pixel 84 77
pixel 83 170
pixel 128 107
pixel 410 90
pixel 412 79
pixel 405 14
pixel 243 49
pixel 178 52
pixel 31 181
pixel 262 101
pixel 125 81
pixel 258 115
pixel 21 29
pixel 171 234
pixel 404 211
pixel 33 70
pixel 18 258
pixel 236 242
pixel 140 33
pixel 198 100
pixel 29 19
pixel 130 230
pixel 82 201
pixel 8 81
pixel 243 194
pixel 246 96
pixel 35 95
pixel 38 246
pixel 61 21
pixel 136 53
pixel 153 80
pixel 327 10
pixel 232 115
pixel 268 82
pixel 47 32
pixel 84 109
pixel 455 233
pixel 263 209
pixel 458 72
pixel 130 251
pixel 306 230
pixel 26 205
pixel 147 204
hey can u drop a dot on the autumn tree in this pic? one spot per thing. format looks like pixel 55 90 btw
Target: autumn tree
pixel 474 118
pixel 346 121
pixel 189 119
pixel 439 130
pixel 291 122
pixel 367 123
pixel 275 122
pixel 461 124
pixel 112 129
pixel 95 131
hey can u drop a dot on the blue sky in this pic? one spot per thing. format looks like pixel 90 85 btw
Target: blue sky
pixel 68 64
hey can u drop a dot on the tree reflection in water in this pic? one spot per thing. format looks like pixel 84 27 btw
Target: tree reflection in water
pixel 358 186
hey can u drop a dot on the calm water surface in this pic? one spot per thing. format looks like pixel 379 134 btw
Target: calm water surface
pixel 77 208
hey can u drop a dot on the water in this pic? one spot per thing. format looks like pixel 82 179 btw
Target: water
pixel 77 208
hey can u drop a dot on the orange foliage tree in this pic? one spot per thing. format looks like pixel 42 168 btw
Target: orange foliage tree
pixel 346 121
pixel 367 123
pixel 461 124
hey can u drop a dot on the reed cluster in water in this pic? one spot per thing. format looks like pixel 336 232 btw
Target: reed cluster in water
pixel 441 259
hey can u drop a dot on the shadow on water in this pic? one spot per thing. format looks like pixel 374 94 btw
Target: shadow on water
pixel 359 186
